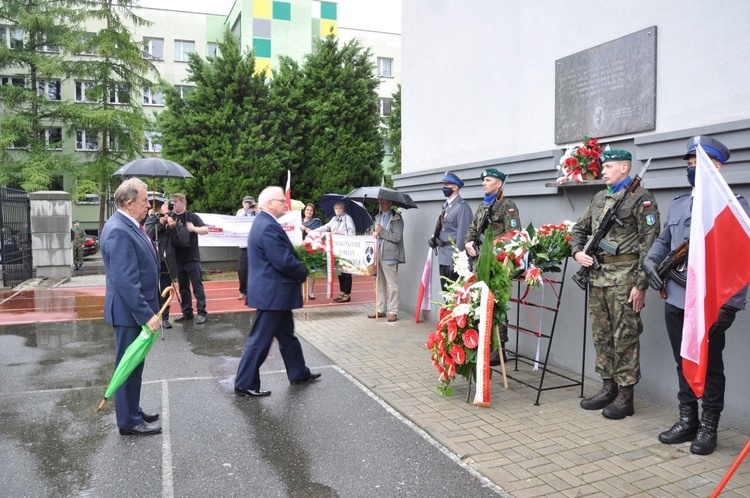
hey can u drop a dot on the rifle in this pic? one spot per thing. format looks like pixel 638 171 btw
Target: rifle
pixel 477 243
pixel 674 259
pixel 597 241
pixel 434 241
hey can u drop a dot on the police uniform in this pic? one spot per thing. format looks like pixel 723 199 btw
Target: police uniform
pixel 453 221
pixel 615 325
pixel 677 230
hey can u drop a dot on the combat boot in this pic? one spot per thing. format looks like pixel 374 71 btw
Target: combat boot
pixel 705 441
pixel 685 428
pixel 622 406
pixel 605 396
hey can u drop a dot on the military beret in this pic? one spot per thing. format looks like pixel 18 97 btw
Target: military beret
pixel 494 173
pixel 75 221
pixel 451 177
pixel 249 199
pixel 615 155
pixel 713 148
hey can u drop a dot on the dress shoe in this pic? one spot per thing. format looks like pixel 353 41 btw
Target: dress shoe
pixel 373 315
pixel 201 319
pixel 183 318
pixel 144 429
pixel 392 318
pixel 150 417
pixel 241 296
pixel 251 392
pixel 311 297
pixel 311 378
pixel 344 299
pixel 166 324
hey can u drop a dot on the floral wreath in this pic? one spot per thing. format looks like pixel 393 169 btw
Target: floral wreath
pixel 579 160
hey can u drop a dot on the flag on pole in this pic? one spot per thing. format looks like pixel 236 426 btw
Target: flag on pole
pixel 425 287
pixel 718 223
pixel 288 190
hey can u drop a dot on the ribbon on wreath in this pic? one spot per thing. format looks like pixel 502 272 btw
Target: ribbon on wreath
pixel 330 265
pixel 575 174
pixel 486 305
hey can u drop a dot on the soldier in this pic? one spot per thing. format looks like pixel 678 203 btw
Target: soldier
pixel 676 230
pixel 79 237
pixel 500 213
pixel 618 289
pixel 451 228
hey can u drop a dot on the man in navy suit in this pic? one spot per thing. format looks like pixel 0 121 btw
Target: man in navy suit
pixel 276 275
pixel 132 296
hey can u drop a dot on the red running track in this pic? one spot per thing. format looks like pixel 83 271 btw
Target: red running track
pixel 87 303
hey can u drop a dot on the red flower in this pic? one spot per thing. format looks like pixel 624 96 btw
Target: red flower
pixel 452 330
pixel 443 313
pixel 310 250
pixel 432 339
pixel 461 321
pixel 458 354
pixel 451 369
pixel 471 338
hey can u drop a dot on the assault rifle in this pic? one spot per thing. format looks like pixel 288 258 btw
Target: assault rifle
pixel 597 241
pixel 434 241
pixel 667 268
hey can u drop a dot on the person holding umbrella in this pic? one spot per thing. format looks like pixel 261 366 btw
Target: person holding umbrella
pixel 389 234
pixel 132 295
pixel 342 224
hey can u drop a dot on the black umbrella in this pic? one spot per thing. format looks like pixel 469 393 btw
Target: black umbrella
pixel 154 167
pixel 362 219
pixel 373 194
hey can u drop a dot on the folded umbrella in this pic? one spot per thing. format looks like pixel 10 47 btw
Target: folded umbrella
pixel 355 209
pixel 373 194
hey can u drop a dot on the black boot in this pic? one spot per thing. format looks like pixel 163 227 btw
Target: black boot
pixel 605 396
pixel 685 428
pixel 705 441
pixel 622 406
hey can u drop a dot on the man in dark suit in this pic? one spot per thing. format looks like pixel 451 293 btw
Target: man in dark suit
pixel 276 274
pixel 132 295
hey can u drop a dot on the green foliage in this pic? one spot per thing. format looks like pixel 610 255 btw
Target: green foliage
pixel 394 131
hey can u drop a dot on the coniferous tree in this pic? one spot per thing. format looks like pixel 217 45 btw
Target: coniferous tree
pixel 394 131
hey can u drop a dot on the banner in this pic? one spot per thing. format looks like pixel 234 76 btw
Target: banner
pixel 231 231
pixel 355 253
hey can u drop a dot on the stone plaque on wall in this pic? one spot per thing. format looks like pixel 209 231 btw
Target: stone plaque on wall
pixel 607 90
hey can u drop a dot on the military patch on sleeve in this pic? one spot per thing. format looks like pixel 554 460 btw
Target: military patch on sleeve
pixel 514 223
pixel 647 204
pixel 511 210
pixel 650 219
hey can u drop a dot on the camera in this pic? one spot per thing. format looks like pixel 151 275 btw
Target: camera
pixel 170 204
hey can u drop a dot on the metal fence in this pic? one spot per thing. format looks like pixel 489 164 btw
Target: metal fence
pixel 15 239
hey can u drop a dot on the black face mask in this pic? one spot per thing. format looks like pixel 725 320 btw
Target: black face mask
pixel 691 175
pixel 447 191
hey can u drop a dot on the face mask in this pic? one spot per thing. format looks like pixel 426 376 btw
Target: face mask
pixel 447 191
pixel 691 175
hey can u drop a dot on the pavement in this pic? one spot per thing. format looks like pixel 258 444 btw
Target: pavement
pixel 374 425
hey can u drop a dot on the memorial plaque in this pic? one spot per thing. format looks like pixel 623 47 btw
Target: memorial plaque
pixel 607 90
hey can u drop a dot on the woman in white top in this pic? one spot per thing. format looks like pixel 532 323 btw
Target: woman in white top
pixel 342 224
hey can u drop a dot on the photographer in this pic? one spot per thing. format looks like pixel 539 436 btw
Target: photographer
pixel 168 233
pixel 188 258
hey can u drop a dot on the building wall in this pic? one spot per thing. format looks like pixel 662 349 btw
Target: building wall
pixel 488 99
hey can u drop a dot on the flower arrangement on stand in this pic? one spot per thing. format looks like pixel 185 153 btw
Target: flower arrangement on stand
pixel 581 162
pixel 312 253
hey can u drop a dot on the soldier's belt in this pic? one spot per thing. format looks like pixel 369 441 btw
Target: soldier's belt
pixel 620 258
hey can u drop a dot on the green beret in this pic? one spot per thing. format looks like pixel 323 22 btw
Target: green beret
pixel 494 173
pixel 615 155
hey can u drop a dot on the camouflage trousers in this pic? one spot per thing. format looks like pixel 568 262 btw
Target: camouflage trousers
pixel 78 255
pixel 616 329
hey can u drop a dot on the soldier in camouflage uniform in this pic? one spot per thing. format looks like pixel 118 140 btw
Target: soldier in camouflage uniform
pixel 617 290
pixel 503 216
pixel 79 237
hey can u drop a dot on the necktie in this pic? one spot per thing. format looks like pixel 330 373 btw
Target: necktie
pixel 143 231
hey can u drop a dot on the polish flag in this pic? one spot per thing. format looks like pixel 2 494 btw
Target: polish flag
pixel 288 191
pixel 719 224
pixel 425 287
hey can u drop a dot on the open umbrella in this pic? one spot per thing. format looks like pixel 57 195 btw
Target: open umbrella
pixel 355 209
pixel 153 167
pixel 372 194
pixel 136 352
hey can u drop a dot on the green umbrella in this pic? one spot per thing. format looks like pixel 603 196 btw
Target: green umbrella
pixel 135 354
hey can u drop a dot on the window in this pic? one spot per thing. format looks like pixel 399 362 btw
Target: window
pixel 87 47
pixel 387 147
pixel 14 81
pixel 84 91
pixel 87 140
pixel 119 94
pixel 11 37
pixel 182 48
pixel 385 107
pixel 43 46
pixel 184 90
pixel 212 49
pixel 50 89
pixel 20 143
pixel 149 141
pixel 53 137
pixel 149 98
pixel 153 48
pixel 385 67
pixel 89 199
pixel 115 141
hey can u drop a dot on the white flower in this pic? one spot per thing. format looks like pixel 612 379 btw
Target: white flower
pixel 461 265
pixel 462 309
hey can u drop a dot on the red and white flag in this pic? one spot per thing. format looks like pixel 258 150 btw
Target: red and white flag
pixel 425 287
pixel 719 223
pixel 288 190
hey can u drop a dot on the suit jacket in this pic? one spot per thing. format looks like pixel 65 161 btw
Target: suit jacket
pixel 132 273
pixel 274 272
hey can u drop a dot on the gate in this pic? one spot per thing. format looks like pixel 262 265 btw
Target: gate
pixel 15 236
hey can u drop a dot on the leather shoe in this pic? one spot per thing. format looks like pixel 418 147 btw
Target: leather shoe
pixel 144 429
pixel 241 296
pixel 251 392
pixel 201 319
pixel 392 318
pixel 150 417
pixel 311 378
pixel 183 318
pixel 373 315
pixel 166 324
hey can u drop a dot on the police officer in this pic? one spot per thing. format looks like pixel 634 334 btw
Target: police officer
pixel 617 290
pixel 79 237
pixel 451 227
pixel 500 213
pixel 676 230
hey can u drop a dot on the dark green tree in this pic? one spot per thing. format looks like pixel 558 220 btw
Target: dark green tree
pixel 394 131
